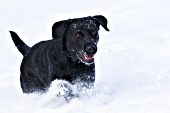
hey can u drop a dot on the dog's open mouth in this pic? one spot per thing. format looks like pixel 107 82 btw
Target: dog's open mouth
pixel 83 57
pixel 88 57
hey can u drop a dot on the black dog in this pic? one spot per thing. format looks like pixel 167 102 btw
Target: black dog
pixel 68 56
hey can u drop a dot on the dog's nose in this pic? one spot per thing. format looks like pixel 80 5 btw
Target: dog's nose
pixel 90 49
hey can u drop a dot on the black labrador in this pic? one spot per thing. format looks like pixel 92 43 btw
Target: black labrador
pixel 68 56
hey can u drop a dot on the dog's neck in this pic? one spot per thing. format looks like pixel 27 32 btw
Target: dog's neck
pixel 66 56
pixel 71 58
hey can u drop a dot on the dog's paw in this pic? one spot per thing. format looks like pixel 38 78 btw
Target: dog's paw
pixel 67 91
pixel 63 89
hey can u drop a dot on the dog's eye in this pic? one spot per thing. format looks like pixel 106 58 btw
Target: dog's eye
pixel 79 34
pixel 93 33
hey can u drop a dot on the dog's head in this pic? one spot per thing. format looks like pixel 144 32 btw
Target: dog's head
pixel 80 36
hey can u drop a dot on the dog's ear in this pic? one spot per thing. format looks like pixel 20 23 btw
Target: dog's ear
pixel 102 21
pixel 59 28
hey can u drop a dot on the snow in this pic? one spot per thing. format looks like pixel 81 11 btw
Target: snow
pixel 132 63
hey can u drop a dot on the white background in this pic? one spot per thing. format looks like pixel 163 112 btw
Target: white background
pixel 132 63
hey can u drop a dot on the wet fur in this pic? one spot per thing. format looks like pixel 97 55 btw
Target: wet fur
pixel 55 58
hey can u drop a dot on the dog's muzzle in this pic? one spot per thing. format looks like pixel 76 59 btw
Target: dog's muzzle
pixel 87 55
pixel 90 49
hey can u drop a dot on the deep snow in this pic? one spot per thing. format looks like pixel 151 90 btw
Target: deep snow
pixel 132 63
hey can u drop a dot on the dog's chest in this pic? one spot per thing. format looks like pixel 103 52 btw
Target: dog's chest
pixel 78 71
pixel 72 69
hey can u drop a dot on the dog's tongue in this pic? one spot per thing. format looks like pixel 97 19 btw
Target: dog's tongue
pixel 87 58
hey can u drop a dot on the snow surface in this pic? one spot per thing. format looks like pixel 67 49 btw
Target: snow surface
pixel 132 63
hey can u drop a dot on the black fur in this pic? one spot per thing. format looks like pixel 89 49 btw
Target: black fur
pixel 68 56
pixel 22 47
